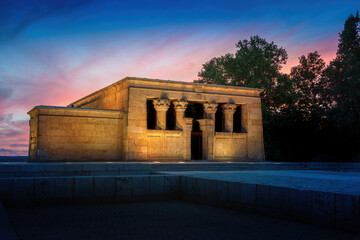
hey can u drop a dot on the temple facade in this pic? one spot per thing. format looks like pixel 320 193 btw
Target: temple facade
pixel 138 119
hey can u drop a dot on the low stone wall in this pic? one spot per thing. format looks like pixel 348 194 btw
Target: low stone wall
pixel 334 209
pixel 11 170
pixel 316 207
pixel 75 134
pixel 86 188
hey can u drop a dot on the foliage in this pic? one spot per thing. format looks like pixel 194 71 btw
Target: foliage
pixel 342 78
pixel 255 64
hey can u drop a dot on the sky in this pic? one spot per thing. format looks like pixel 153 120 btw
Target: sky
pixel 55 52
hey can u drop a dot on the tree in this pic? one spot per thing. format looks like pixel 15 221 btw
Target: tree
pixel 343 88
pixel 308 83
pixel 256 63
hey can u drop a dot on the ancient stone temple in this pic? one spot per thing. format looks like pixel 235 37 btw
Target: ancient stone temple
pixel 137 119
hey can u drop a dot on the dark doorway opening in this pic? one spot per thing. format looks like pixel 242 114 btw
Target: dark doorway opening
pixel 195 110
pixel 219 119
pixel 171 118
pixel 151 114
pixel 196 141
pixel 237 120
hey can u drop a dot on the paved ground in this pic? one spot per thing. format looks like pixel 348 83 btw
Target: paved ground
pixel 328 181
pixel 157 220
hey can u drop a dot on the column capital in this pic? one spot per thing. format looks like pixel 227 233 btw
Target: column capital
pixel 161 105
pixel 210 110
pixel 210 107
pixel 180 105
pixel 229 108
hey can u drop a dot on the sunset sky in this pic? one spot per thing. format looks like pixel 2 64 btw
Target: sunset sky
pixel 54 52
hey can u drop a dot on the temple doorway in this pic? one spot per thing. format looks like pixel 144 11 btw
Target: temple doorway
pixel 195 110
pixel 196 142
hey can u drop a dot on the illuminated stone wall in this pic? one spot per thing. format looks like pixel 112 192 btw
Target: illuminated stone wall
pixel 75 134
pixel 125 136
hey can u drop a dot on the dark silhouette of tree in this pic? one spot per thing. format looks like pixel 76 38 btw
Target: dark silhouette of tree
pixel 308 83
pixel 342 78
pixel 256 63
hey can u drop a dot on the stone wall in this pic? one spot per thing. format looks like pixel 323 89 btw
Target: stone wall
pixel 113 97
pixel 75 134
pixel 165 145
pixel 230 146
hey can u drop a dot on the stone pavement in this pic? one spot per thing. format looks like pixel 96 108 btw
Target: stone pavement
pixel 157 220
pixel 327 181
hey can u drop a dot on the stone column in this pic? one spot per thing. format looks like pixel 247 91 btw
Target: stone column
pixel 180 107
pixel 229 110
pixel 207 127
pixel 210 109
pixel 187 127
pixel 161 106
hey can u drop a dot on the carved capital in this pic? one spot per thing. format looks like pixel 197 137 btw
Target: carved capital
pixel 229 108
pixel 180 106
pixel 161 105
pixel 210 109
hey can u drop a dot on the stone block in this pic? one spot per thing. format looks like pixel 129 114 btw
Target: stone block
pixel 234 192
pixel 24 189
pixel 299 201
pixel 262 195
pixel 200 184
pixel 64 188
pixel 104 187
pixel 278 197
pixel 157 185
pixel 103 173
pixel 136 166
pixel 347 207
pixel 248 193
pixel 94 167
pixel 190 187
pixel 7 187
pixel 222 190
pixel 55 167
pixel 141 186
pixel 115 166
pixel 210 189
pixel 32 167
pixel 6 168
pixel 172 184
pixel 323 204
pixel 7 175
pixel 84 188
pixel 44 189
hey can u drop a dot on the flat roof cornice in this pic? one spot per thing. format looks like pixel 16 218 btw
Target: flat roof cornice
pixel 149 80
